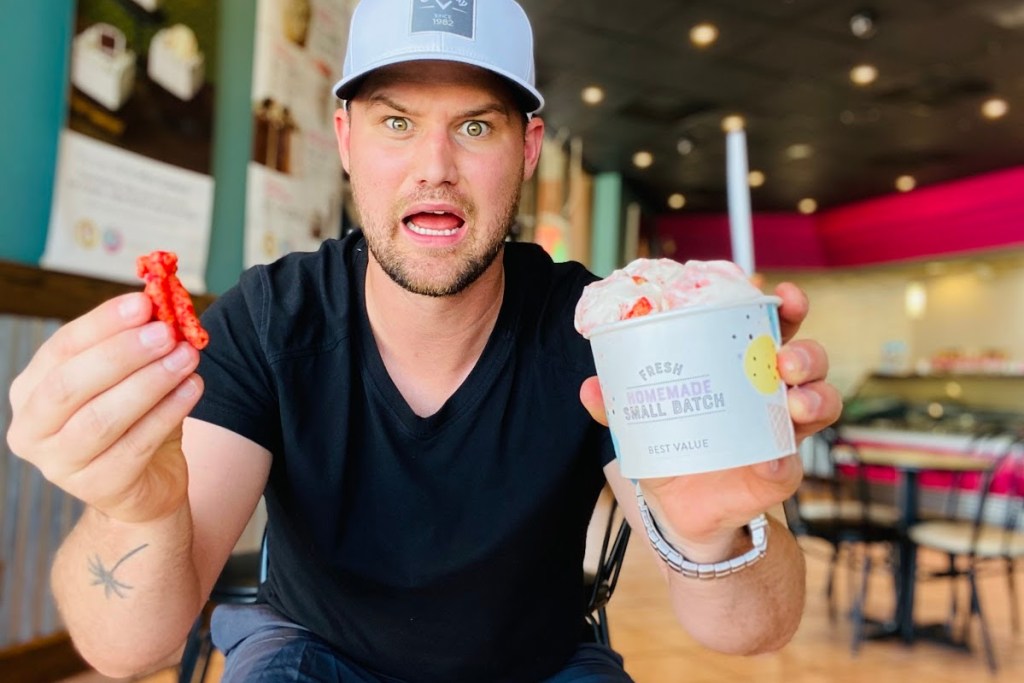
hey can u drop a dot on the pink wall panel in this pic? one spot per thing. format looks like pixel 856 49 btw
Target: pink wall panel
pixel 983 212
pixel 781 240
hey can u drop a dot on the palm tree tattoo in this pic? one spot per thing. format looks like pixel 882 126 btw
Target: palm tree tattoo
pixel 105 577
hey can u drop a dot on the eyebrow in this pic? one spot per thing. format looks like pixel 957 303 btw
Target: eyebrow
pixel 379 98
pixel 489 108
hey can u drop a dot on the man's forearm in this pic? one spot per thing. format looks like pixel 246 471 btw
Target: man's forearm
pixel 128 593
pixel 755 610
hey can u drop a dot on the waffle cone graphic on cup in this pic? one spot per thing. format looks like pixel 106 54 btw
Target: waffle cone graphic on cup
pixel 686 357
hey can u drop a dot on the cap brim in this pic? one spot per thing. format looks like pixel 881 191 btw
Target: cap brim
pixel 528 97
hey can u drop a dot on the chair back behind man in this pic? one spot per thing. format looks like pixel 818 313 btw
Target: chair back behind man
pixel 607 538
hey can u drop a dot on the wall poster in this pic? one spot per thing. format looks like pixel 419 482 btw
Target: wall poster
pixel 133 168
pixel 295 179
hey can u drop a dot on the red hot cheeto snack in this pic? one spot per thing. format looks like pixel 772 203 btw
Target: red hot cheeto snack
pixel 171 302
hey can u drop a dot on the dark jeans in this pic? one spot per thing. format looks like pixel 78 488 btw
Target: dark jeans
pixel 261 646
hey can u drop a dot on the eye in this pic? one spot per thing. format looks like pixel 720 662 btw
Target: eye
pixel 397 123
pixel 476 129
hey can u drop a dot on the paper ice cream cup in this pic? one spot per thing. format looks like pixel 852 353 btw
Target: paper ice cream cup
pixel 694 390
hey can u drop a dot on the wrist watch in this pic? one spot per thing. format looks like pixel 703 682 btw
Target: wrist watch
pixel 757 527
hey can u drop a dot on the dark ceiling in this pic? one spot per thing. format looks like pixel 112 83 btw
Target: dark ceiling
pixel 784 65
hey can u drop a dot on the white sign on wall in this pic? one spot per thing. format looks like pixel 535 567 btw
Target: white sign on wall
pixel 295 180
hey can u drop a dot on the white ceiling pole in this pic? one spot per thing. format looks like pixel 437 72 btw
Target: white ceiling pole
pixel 740 228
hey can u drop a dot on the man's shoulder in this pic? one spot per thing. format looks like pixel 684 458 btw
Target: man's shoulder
pixel 532 260
pixel 307 268
pixel 549 292
pixel 303 299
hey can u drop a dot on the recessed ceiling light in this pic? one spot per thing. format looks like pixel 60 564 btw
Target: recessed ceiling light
pixel 906 183
pixel 807 206
pixel 994 108
pixel 703 34
pixel 676 201
pixel 593 94
pixel 864 74
pixel 799 151
pixel 643 159
pixel 756 178
pixel 733 122
pixel 684 146
pixel 863 24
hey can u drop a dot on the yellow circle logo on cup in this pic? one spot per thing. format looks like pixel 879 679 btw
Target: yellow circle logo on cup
pixel 760 366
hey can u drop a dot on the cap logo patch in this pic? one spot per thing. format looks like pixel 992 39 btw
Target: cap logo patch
pixel 446 16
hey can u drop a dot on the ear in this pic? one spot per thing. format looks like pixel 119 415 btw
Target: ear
pixel 533 142
pixel 342 129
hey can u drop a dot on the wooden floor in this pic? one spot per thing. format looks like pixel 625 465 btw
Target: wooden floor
pixel 657 651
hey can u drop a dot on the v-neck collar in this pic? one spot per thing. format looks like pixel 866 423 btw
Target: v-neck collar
pixel 473 388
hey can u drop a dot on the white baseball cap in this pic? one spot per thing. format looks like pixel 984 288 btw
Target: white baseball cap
pixel 491 34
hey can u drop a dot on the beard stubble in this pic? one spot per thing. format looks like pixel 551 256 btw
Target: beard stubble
pixel 468 268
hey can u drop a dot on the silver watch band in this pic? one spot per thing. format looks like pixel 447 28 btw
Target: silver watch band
pixel 758 535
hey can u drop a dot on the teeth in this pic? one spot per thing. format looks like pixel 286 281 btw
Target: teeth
pixel 430 233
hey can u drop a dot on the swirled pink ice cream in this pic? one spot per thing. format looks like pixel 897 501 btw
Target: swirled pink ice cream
pixel 649 286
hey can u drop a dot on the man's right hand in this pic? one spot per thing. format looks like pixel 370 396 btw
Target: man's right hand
pixel 99 410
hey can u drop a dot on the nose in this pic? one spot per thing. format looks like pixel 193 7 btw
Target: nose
pixel 437 159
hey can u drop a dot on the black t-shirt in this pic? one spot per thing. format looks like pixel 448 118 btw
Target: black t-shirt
pixel 446 548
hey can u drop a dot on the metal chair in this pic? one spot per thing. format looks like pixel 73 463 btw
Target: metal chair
pixel 834 505
pixel 989 537
pixel 601 575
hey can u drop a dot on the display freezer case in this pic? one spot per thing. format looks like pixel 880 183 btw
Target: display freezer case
pixel 933 415
pixel 934 411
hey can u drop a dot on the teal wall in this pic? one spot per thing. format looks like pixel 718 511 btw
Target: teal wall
pixel 606 224
pixel 232 137
pixel 35 40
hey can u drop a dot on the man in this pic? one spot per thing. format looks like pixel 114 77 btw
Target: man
pixel 408 400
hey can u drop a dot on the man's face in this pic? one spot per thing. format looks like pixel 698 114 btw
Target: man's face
pixel 437 155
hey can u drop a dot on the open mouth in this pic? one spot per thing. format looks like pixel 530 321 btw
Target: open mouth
pixel 434 223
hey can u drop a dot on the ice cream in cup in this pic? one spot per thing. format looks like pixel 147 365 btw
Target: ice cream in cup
pixel 686 358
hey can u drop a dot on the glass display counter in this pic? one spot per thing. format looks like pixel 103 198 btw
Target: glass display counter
pixel 934 418
pixel 944 411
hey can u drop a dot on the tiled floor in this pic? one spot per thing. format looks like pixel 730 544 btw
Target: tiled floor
pixel 657 651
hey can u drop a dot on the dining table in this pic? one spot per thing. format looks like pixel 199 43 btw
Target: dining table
pixel 909 463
